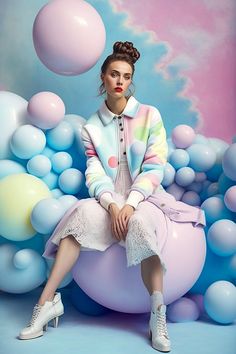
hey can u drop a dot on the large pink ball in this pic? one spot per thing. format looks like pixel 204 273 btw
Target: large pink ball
pixel 69 36
pixel 183 136
pixel 46 110
pixel 105 277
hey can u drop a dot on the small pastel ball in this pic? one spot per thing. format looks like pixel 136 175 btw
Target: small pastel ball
pixel 39 165
pixel 70 181
pixel 220 301
pixel 169 175
pixel 61 137
pixel 202 157
pixel 46 214
pixel 183 136
pixel 179 158
pixel 27 141
pixel 229 162
pixel 230 198
pixel 191 198
pixel 46 110
pixel 221 237
pixel 183 310
pixel 184 176
pixel 61 161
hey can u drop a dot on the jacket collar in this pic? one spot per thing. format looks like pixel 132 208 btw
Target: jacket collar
pixel 130 111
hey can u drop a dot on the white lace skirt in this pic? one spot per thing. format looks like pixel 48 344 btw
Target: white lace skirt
pixel 89 223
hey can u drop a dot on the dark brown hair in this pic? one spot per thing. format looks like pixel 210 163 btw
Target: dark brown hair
pixel 124 51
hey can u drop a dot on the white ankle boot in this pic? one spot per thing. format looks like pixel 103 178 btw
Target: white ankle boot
pixel 158 329
pixel 42 315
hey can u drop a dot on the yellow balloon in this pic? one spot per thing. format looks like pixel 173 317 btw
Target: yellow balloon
pixel 19 193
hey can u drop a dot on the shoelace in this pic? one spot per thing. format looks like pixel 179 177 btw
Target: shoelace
pixel 36 311
pixel 161 324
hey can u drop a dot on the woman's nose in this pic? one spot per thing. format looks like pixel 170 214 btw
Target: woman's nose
pixel 120 81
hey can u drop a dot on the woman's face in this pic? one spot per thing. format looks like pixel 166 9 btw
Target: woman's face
pixel 117 78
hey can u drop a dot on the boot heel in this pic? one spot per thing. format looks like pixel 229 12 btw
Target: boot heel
pixel 45 327
pixel 55 321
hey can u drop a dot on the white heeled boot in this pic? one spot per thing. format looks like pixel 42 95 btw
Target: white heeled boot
pixel 42 315
pixel 158 329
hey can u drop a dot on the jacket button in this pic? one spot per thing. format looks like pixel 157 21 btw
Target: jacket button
pixel 121 139
pixel 120 124
pixel 121 129
pixel 162 205
pixel 119 117
pixel 124 153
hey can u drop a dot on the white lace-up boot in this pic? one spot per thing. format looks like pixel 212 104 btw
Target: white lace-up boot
pixel 158 329
pixel 42 315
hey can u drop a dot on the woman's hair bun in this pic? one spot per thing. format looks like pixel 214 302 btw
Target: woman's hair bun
pixel 126 48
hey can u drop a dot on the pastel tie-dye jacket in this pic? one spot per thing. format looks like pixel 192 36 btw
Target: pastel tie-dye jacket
pixel 146 149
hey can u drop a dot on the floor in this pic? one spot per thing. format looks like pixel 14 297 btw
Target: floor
pixel 112 333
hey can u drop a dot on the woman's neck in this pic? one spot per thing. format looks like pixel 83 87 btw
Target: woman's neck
pixel 116 105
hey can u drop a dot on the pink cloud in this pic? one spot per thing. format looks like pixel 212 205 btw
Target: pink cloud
pixel 200 36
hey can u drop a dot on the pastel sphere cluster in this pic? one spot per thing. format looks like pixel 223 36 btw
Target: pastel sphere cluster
pixel 39 180
pixel 201 172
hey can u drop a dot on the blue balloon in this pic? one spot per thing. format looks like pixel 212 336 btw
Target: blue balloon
pixel 179 158
pixel 39 165
pixel 169 175
pixel 200 139
pixel 84 304
pixel 229 162
pixel 20 270
pixel 27 141
pixel 70 181
pixel 212 189
pixel 220 302
pixel 61 161
pixel 171 147
pixel 225 183
pixel 183 310
pixel 9 167
pixel 57 193
pixel 215 209
pixel 61 137
pixel 47 151
pixel 184 176
pixel 221 237
pixel 202 157
pixel 191 198
pixel 67 201
pixel 209 273
pixel 51 179
pixel 195 187
pixel 46 214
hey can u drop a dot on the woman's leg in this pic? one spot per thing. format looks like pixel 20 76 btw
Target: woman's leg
pixel 67 254
pixel 152 274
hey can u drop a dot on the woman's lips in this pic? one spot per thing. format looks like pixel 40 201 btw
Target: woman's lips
pixel 118 89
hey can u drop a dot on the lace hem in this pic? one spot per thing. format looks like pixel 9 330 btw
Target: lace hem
pixel 140 244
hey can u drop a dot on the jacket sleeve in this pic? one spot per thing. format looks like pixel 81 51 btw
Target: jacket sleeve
pixel 96 179
pixel 152 168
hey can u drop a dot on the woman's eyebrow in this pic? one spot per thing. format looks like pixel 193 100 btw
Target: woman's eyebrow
pixel 119 72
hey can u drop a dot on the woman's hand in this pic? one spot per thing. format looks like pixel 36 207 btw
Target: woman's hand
pixel 120 219
pixel 123 218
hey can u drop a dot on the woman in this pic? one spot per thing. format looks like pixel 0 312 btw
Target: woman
pixel 125 144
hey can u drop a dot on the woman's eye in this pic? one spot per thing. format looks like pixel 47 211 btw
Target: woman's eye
pixel 127 77
pixel 113 74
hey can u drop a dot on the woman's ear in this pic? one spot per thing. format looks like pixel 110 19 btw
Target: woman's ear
pixel 102 76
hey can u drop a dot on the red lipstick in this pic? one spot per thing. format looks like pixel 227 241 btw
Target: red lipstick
pixel 118 89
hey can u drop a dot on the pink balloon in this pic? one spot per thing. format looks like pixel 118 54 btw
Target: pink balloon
pixel 183 136
pixel 230 198
pixel 69 36
pixel 46 110
pixel 183 310
pixel 105 277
